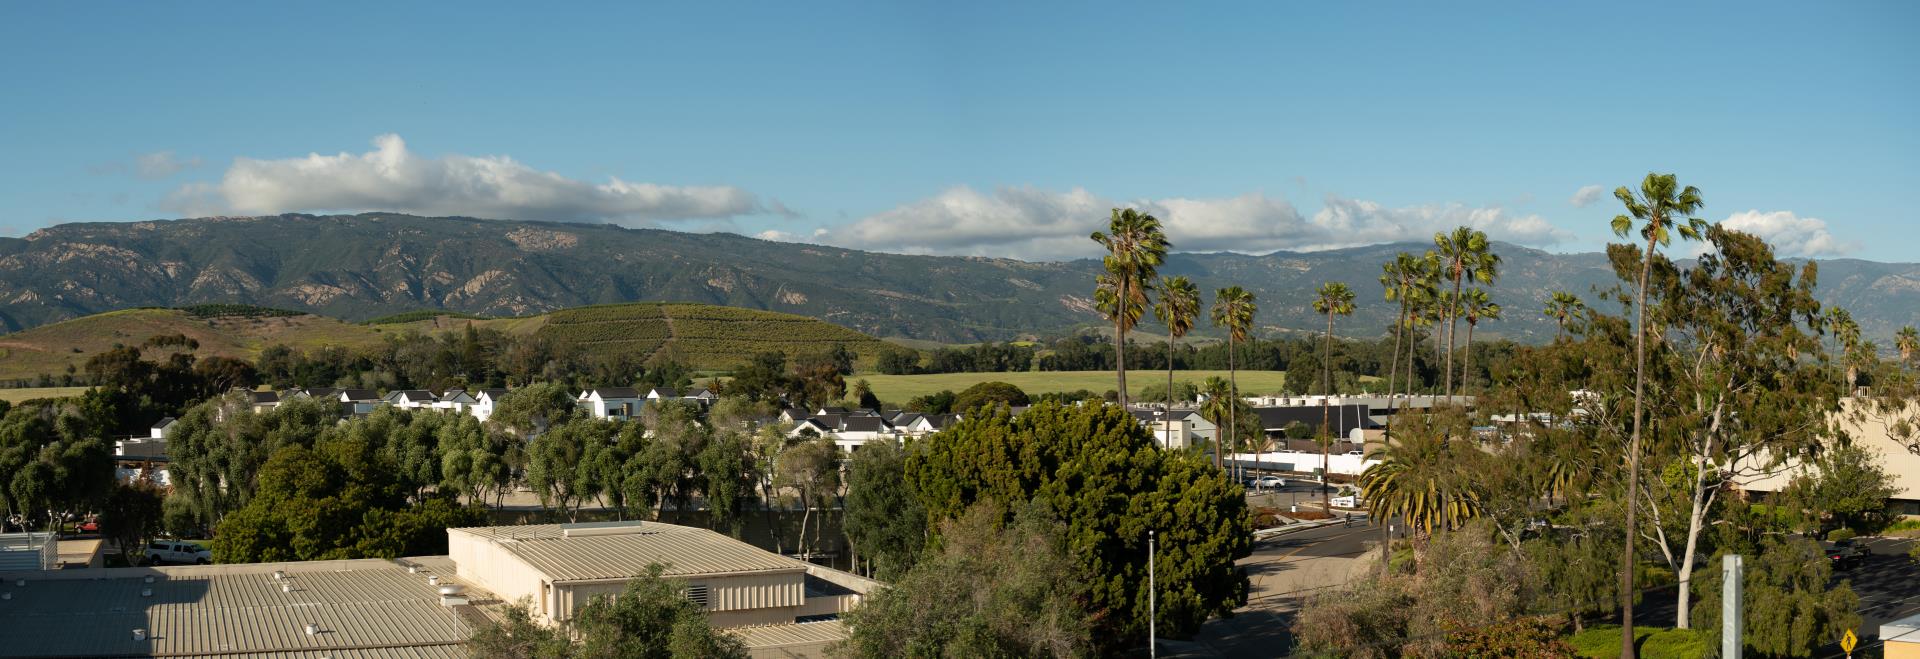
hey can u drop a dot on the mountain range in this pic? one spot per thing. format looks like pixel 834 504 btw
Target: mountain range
pixel 363 266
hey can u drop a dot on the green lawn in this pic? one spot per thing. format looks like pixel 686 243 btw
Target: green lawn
pixel 898 388
pixel 17 395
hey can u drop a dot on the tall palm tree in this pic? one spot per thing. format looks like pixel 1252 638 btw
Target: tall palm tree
pixel 1846 337
pixel 1179 306
pixel 1233 309
pixel 1135 249
pixel 1661 209
pixel 1563 307
pixel 1477 306
pixel 1334 299
pixel 1398 277
pixel 1465 253
pixel 1907 341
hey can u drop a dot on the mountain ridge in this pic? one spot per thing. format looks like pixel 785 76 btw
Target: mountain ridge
pixel 361 266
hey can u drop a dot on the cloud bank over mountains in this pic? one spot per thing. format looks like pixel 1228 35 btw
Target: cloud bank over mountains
pixel 1021 222
pixel 1033 224
pixel 393 178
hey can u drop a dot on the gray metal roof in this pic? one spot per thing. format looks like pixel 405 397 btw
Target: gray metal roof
pixel 367 608
pixel 798 635
pixel 682 550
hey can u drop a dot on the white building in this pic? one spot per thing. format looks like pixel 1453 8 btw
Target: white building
pixel 615 403
pixel 484 402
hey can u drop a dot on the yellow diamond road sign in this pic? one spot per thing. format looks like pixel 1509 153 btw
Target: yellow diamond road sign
pixel 1847 642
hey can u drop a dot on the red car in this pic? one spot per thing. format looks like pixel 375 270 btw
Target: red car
pixel 87 526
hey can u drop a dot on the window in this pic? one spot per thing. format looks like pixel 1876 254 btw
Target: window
pixel 699 595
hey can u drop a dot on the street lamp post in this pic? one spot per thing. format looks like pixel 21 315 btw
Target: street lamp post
pixel 1153 613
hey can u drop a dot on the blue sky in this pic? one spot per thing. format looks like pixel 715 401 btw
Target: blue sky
pixel 977 129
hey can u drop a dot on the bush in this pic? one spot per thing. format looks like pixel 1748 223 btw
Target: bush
pixel 1838 535
pixel 1906 524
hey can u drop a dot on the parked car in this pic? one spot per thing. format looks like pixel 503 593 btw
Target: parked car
pixel 1267 481
pixel 1844 554
pixel 173 551
pixel 88 525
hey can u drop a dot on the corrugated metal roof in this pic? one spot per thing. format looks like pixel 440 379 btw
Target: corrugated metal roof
pixel 683 550
pixel 372 608
pixel 805 633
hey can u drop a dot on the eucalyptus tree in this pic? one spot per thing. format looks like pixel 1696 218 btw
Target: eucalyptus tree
pixel 1233 310
pixel 1135 249
pixel 1476 306
pixel 1178 308
pixel 1333 299
pixel 1563 308
pixel 1661 209
pixel 1465 254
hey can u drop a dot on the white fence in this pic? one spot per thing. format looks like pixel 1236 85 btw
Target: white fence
pixel 1304 463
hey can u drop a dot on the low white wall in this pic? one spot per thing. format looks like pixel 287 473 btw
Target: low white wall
pixel 1305 463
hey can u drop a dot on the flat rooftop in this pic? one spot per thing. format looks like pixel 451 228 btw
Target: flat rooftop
pixel 622 550
pixel 367 609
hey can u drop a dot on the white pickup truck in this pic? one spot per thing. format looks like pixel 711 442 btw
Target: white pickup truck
pixel 170 551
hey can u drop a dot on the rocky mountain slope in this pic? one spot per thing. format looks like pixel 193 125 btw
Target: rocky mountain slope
pixel 362 266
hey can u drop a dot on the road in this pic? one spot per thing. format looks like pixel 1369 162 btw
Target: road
pixel 1284 572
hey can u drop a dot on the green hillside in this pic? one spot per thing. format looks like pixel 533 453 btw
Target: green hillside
pixel 703 336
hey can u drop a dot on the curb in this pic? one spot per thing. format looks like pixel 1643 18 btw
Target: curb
pixel 1262 534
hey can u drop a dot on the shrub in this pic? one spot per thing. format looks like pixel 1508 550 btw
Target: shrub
pixel 1838 535
pixel 1907 524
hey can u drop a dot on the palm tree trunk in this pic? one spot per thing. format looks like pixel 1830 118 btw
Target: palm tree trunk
pixel 1326 431
pixel 1466 359
pixel 1233 400
pixel 1393 363
pixel 1453 316
pixel 1627 556
pixel 1168 419
pixel 1120 360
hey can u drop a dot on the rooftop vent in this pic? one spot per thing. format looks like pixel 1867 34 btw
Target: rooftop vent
pixel 452 589
pixel 433 580
pixel 146 592
pixel 5 596
pixel 139 634
pixel 586 529
pixel 313 628
pixel 277 574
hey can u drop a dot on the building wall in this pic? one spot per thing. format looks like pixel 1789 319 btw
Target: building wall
pixel 494 569
pixel 1901 650
pixel 772 597
pixel 1869 432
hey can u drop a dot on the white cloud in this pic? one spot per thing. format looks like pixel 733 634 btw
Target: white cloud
pixel 1791 235
pixel 1586 195
pixel 1029 223
pixel 392 178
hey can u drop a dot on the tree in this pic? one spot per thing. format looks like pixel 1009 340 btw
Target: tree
pixel 1907 341
pixel 764 377
pixel 651 619
pixel 1465 253
pixel 994 589
pixel 728 473
pixel 1477 305
pixel 989 393
pixel 1179 306
pixel 565 464
pixel 1842 487
pixel 1135 249
pixel 519 636
pixel 1417 478
pixel 1790 612
pixel 1233 309
pixel 1334 299
pixel 1563 308
pixel 1101 472
pixel 530 410
pixel 1662 208
pixel 885 522
pixel 863 395
pixel 812 467
pixel 52 461
pixel 131 516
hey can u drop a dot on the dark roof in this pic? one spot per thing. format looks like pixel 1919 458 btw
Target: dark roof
pixel 168 421
pixel 260 397
pixel 492 393
pixel 615 392
pixel 663 392
pixel 836 411
pixel 359 394
pixel 1343 418
pixel 904 418
pixel 828 420
pixel 864 424
pixel 697 392
pixel 414 394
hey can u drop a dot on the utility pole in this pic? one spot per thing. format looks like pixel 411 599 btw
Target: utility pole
pixel 1732 603
pixel 1153 596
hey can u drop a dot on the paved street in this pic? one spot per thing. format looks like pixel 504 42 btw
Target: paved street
pixel 1284 572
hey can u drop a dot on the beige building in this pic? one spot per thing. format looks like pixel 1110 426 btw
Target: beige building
pixel 560 567
pixel 1868 431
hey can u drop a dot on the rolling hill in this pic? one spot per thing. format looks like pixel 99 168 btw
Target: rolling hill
pixel 357 267
pixel 704 336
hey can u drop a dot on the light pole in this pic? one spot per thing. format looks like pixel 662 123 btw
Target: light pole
pixel 1153 613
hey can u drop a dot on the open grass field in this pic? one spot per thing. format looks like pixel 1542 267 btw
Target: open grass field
pixel 17 395
pixel 700 335
pixel 899 388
